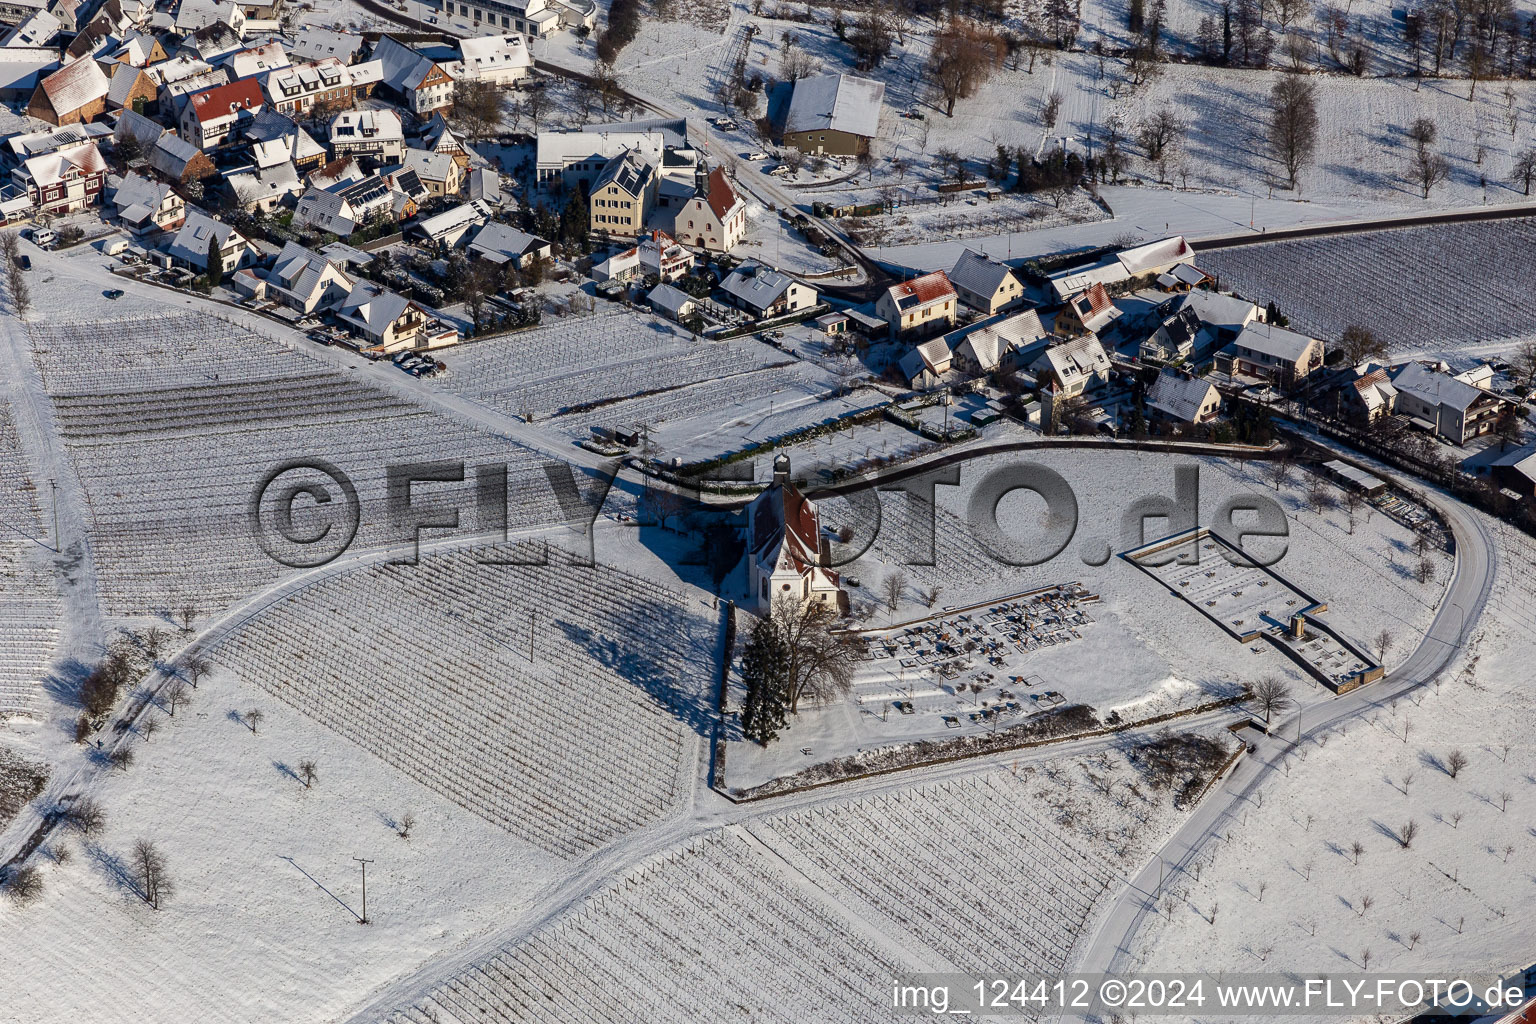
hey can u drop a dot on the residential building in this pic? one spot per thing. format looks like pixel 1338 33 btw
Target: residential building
pixel 76 92
pixel 1449 406
pixel 1073 367
pixel 312 89
pixel 50 140
pixel 419 82
pixel 63 181
pixel 448 227
pixel 196 238
pixel 22 69
pixel 145 205
pixel 315 44
pixel 1174 339
pixel 299 279
pixel 193 15
pixel 658 255
pixel 343 207
pixel 1183 277
pixel 534 18
pixel 919 308
pixel 1125 270
pixel 377 134
pixel 263 188
pixel 254 61
pixel 384 321
pixel 1369 397
pixel 37 29
pixel 1000 345
pixel 500 60
pixel 439 138
pixel 766 293
pixel 985 284
pixel 1088 312
pixel 275 138
pixel 1183 399
pixel 672 303
pixel 926 363
pixel 213 43
pixel 440 173
pixel 501 243
pixel 131 88
pixel 787 550
pixel 1282 357
pixel 715 218
pixel 578 157
pixel 1217 321
pixel 623 196
pixel 179 160
pixel 211 116
pixel 832 114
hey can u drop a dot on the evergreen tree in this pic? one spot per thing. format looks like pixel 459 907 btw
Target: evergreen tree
pixel 763 668
pixel 215 262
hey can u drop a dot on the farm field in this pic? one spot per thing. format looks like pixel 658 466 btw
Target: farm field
pixel 568 745
pixel 29 599
pixel 1327 284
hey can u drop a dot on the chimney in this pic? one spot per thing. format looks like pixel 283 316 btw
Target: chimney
pixel 781 469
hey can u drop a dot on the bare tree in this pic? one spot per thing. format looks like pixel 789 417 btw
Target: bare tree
pixel 253 719
pixel 84 816
pixel 406 824
pixel 1455 761
pixel 149 727
pixel 196 668
pixel 154 642
pixel 1280 473
pixel 1524 170
pixel 892 588
pixel 1159 132
pixel 1505 796
pixel 1271 696
pixel 1365 959
pixel 1319 495
pixel 21 884
pixel 121 758
pixel 149 865
pixel 1427 168
pixel 1357 848
pixel 1406 834
pixel 177 695
pixel 1293 124
pixel 1050 109
pixel 308 773
pixel 1413 940
pixel 962 59
pixel 1360 344
pixel 820 664
pixel 1366 903
pixel 1425 571
pixel 1384 641
pixel 188 615
pixel 1456 817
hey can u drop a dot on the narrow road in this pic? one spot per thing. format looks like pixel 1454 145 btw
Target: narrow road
pixel 1110 948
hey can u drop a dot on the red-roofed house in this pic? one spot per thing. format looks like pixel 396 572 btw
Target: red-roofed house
pixel 65 180
pixel 715 218
pixel 920 307
pixel 211 115
pixel 71 95
pixel 1087 312
pixel 786 549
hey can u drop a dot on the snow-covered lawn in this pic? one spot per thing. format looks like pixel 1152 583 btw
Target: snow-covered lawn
pixel 1284 876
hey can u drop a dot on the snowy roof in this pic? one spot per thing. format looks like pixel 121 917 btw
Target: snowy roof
pixel 988 343
pixel 931 357
pixel 560 149
pixel 136 189
pixel 628 171
pixel 21 68
pixel 140 128
pixel 172 153
pixel 492 53
pixel 675 132
pixel 1094 308
pixel 315 43
pixel 367 125
pixel 36 29
pixel 978 274
pixel 1436 388
pixel 1069 361
pixel 1375 389
pixel 1179 396
pixel 124 76
pixel 920 291
pixel 1156 255
pixel 300 270
pixel 191 243
pixel 503 240
pixel 454 218
pixel 1275 342
pixel 402 68
pixel 53 167
pixel 428 166
pixel 75 85
pixel 373 307
pixel 278 179
pixel 669 299
pixel 1226 312
pixel 225 101
pixel 1521 460
pixel 256 60
pixel 840 103
pixel 51 139
pixel 756 284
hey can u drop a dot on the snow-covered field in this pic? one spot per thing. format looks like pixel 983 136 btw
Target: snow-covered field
pixel 29 600
pixel 1288 885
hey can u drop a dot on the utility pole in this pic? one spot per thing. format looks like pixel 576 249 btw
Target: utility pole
pixel 532 615
pixel 364 862
pixel 53 486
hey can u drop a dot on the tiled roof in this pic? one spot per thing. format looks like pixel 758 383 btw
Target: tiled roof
pixel 921 290
pixel 224 100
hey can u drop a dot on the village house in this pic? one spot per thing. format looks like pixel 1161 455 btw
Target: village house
pixel 63 181
pixel 441 174
pixel 310 89
pixel 1088 312
pixel 447 228
pixel 536 18
pixel 299 279
pixel 263 188
pixel 194 15
pixel 22 70
pixel 372 133
pixel 210 117
pixel 926 364
pixel 1000 345
pixel 671 303
pixel 1182 399
pixel 1125 270
pixel 919 308
pixel 315 44
pixel 178 160
pixel 1447 405
pixel 1073 367
pixel 256 61
pixel 623 196
pixel 275 133
pixel 35 30
pixel 715 218
pixel 1206 321
pixel 787 551
pixel 836 115
pixel 985 284
pixel 500 244
pixel 19 148
pixel 1282 357
pixel 499 60
pixel 1368 398
pixel 145 206
pixel 658 254
pixel 764 292
pixel 1173 340
pixel 195 240
pixel 347 205
pixel 416 80
pixel 77 92
pixel 384 321
pixel 132 88
pixel 439 138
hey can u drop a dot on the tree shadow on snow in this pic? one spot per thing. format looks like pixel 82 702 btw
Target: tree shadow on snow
pixel 632 662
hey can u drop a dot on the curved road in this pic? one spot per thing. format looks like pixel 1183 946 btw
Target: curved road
pixel 1110 947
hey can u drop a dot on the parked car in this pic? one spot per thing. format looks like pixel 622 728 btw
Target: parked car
pixel 24 261
pixel 754 155
pixel 113 293
pixel 44 237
